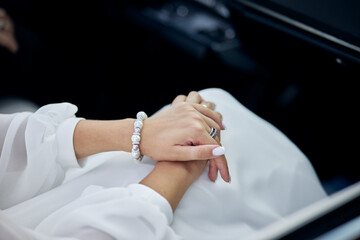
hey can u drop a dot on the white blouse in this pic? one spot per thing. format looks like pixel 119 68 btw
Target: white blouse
pixel 46 194
pixel 36 150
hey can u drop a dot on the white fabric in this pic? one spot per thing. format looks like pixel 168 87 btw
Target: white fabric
pixel 270 178
pixel 31 162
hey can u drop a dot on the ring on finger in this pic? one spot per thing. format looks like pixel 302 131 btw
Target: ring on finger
pixel 213 132
pixel 209 105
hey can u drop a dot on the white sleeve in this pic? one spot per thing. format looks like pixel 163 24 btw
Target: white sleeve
pixel 9 229
pixel 36 149
pixel 134 212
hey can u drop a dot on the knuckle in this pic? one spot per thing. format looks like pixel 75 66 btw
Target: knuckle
pixel 195 117
pixel 180 107
pixel 191 113
pixel 193 93
pixel 184 106
pixel 180 97
pixel 196 127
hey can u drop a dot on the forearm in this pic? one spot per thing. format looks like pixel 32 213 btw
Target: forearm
pixel 169 179
pixel 176 133
pixel 93 136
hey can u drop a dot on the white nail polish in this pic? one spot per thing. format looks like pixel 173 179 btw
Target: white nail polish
pixel 218 151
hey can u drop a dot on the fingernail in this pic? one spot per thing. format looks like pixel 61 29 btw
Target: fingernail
pixel 229 179
pixel 223 126
pixel 218 151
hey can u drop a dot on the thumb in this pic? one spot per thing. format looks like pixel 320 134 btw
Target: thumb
pixel 198 152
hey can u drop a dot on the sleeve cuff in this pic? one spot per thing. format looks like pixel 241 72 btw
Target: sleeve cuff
pixel 66 153
pixel 153 197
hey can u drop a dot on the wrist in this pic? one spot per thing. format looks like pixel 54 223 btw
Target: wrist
pixel 124 132
pixel 184 171
pixel 170 180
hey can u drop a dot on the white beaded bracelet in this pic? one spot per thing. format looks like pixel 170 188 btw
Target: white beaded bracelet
pixel 135 138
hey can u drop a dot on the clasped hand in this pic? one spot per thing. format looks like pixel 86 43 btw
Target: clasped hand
pixel 181 133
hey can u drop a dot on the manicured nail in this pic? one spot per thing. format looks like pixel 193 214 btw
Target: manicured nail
pixel 218 151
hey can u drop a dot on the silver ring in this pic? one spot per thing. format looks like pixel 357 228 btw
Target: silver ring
pixel 213 132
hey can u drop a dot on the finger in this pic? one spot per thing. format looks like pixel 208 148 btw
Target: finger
pixel 194 97
pixel 221 164
pixel 179 98
pixel 211 123
pixel 213 170
pixel 199 152
pixel 208 130
pixel 217 137
pixel 210 114
pixel 209 105
pixel 220 116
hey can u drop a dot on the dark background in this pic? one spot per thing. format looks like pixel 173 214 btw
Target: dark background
pixel 114 58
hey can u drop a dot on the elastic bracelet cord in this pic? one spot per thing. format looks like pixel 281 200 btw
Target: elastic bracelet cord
pixel 135 138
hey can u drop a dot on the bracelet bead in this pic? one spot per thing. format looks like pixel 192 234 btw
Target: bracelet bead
pixel 136 137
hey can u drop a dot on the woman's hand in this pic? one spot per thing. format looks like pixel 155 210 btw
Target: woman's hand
pixel 171 179
pixel 7 36
pixel 181 133
pixel 215 164
pixel 177 133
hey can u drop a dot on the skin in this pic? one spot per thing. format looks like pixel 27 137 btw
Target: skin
pixel 7 36
pixel 177 138
pixel 177 133
pixel 172 179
